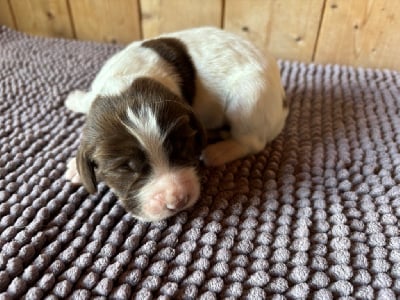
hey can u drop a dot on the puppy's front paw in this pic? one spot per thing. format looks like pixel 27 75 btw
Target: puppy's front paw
pixel 72 172
pixel 223 152
pixel 213 156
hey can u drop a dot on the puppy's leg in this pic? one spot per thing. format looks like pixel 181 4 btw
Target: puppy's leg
pixel 256 115
pixel 79 101
pixel 72 172
pixel 223 152
pixel 231 149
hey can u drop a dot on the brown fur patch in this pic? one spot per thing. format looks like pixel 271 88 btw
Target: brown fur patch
pixel 175 53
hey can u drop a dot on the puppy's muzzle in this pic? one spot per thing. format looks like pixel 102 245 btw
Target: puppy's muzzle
pixel 169 193
pixel 177 202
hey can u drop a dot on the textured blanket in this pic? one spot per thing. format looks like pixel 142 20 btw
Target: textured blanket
pixel 315 215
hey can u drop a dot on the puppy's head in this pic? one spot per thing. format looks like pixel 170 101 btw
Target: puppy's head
pixel 145 145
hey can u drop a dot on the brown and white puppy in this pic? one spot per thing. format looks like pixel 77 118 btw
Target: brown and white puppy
pixel 149 106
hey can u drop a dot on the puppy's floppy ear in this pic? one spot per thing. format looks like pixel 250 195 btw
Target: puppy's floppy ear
pixel 86 169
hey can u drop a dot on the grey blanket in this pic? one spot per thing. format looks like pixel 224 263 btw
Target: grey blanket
pixel 315 215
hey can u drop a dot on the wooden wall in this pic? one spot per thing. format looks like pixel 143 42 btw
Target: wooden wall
pixel 357 32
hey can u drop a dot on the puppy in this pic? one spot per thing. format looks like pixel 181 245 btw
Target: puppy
pixel 150 105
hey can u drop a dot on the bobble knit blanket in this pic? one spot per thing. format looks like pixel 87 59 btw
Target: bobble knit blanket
pixel 315 215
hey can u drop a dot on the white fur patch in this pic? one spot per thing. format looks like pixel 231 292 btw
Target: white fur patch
pixel 72 172
pixel 79 101
pixel 145 128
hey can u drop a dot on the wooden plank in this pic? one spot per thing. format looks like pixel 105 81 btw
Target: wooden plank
pixel 116 21
pixel 43 17
pixel 160 16
pixel 286 28
pixel 6 17
pixel 364 33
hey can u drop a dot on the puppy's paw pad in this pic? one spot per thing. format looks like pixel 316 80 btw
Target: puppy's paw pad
pixel 72 172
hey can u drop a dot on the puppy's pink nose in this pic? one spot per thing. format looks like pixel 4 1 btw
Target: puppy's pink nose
pixel 177 202
pixel 172 201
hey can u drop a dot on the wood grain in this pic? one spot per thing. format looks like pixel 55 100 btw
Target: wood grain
pixel 354 32
pixel 160 16
pixel 6 17
pixel 287 28
pixel 115 21
pixel 43 17
pixel 364 33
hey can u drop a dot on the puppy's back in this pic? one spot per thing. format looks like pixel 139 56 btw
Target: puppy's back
pixel 233 73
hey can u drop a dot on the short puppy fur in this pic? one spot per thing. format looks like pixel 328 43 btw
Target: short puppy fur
pixel 150 105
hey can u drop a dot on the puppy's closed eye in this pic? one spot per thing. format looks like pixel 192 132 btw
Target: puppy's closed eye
pixel 129 166
pixel 133 165
pixel 125 164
